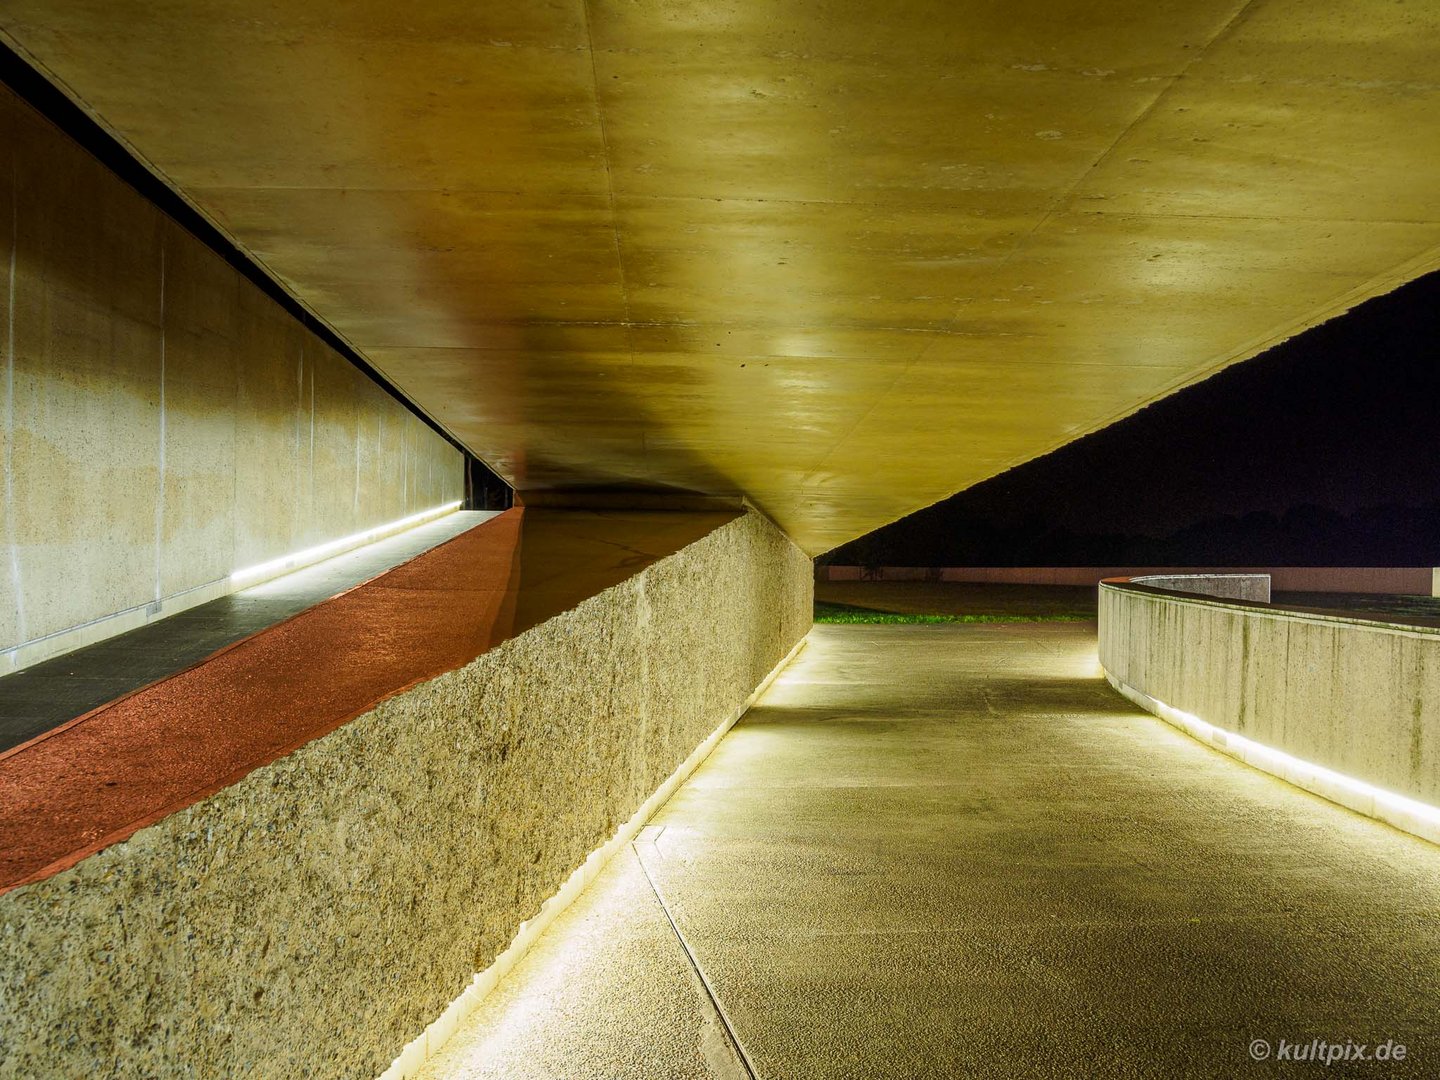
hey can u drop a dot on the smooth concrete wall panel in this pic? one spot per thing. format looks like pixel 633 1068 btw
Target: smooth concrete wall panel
pixel 314 917
pixel 332 498
pixel 9 600
pixel 87 311
pixel 197 507
pixel 165 422
pixel 267 429
pixel 431 473
pixel 1359 697
pixel 389 444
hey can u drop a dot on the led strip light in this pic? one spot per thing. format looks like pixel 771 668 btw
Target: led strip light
pixel 1410 815
pixel 425 1046
pixel 296 560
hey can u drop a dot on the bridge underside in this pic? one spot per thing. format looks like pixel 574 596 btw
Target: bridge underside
pixel 842 259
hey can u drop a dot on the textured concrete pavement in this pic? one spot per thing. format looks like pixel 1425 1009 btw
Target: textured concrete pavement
pixel 940 851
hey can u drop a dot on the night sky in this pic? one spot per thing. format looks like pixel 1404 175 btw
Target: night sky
pixel 1325 450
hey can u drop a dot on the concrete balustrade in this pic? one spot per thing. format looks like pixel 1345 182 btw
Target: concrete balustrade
pixel 317 910
pixel 1345 707
pixel 1252 587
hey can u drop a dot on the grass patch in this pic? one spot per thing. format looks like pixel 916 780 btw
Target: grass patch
pixel 848 613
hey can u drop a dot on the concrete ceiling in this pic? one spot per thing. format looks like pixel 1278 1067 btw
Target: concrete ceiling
pixel 845 257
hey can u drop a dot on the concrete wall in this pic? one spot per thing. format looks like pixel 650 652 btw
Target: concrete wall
pixel 162 422
pixel 314 917
pixel 1357 697
pixel 1252 587
pixel 1400 580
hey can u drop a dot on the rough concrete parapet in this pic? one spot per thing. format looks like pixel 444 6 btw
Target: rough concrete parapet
pixel 312 918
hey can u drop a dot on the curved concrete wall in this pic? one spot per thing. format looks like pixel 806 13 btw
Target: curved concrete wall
pixel 1252 587
pixel 314 917
pixel 1304 695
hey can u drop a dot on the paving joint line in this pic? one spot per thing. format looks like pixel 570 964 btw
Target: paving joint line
pixel 730 1033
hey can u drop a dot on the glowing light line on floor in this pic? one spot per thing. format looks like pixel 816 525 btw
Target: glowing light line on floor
pixel 297 560
pixel 413 1057
pixel 1404 813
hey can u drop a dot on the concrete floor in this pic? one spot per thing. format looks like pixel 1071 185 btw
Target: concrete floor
pixel 939 851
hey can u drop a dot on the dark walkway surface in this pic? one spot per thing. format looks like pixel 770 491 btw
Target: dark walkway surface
pixel 56 691
pixel 953 851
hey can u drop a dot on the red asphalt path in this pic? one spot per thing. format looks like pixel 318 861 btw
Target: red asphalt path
pixel 105 775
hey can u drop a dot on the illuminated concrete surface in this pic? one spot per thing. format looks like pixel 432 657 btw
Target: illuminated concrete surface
pixel 46 695
pixel 954 851
pixel 163 423
pixel 288 860
pixel 1237 586
pixel 842 257
pixel 1355 694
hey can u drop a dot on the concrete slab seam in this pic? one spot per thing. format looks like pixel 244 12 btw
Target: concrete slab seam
pixel 10 538
pixel 699 971
pixel 160 462
pixel 428 1043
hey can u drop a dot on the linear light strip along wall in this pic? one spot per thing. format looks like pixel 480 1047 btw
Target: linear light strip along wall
pixel 413 1057
pixel 1404 813
pixel 70 638
pixel 296 560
